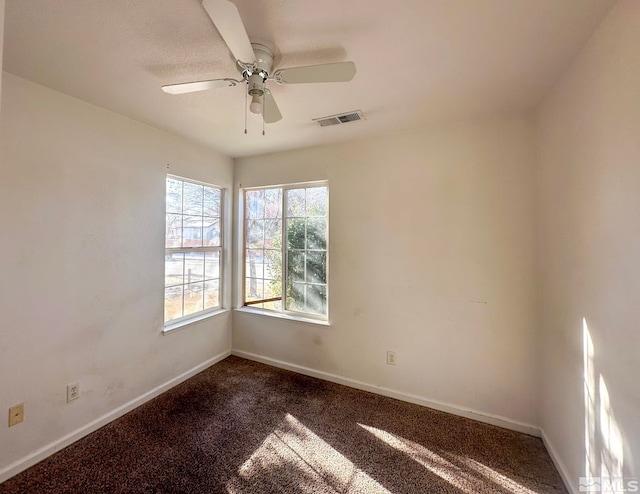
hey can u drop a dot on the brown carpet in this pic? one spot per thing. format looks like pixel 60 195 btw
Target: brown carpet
pixel 244 427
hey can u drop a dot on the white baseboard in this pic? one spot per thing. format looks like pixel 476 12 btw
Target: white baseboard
pixel 42 453
pixel 486 418
pixel 569 483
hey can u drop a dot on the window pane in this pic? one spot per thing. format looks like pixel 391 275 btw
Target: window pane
pixel 273 234
pixel 174 196
pixel 211 294
pixel 273 264
pixel 193 198
pixel 272 289
pixel 193 298
pixel 211 265
pixel 173 269
pixel 172 302
pixel 316 267
pixel 254 204
pixel 254 289
pixel 255 263
pixel 173 233
pixel 317 201
pixel 296 233
pixel 316 299
pixel 212 199
pixel 317 233
pixel 211 232
pixel 273 203
pixel 192 231
pixel 193 267
pixel 295 268
pixel 295 297
pixel 295 202
pixel 255 234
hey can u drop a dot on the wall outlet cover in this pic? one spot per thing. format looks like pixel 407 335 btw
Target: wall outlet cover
pixel 391 357
pixel 73 391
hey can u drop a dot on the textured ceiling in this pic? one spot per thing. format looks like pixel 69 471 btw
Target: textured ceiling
pixel 420 62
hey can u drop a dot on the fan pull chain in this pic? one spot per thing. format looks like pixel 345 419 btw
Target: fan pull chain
pixel 245 107
pixel 263 108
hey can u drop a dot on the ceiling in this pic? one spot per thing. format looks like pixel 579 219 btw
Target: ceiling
pixel 419 62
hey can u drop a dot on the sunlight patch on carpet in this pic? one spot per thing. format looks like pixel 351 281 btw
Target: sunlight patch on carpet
pixel 293 458
pixel 456 475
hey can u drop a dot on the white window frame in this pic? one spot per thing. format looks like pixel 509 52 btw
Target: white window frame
pixel 196 316
pixel 321 318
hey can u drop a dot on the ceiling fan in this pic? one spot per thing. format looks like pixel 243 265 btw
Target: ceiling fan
pixel 255 63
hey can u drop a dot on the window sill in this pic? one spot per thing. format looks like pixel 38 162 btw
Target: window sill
pixel 188 322
pixel 279 315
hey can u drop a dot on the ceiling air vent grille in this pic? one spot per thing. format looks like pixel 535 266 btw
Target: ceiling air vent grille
pixel 339 119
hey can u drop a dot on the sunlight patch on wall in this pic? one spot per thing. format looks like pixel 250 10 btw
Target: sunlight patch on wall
pixel 603 440
pixel 589 402
pixel 293 455
pixel 612 455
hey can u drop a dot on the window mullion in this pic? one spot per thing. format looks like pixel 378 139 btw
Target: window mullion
pixel 245 246
pixel 221 228
pixel 306 253
pixel 182 229
pixel 285 253
pixel 202 226
pixel 187 250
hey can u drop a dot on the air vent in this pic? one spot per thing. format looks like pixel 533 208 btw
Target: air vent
pixel 339 119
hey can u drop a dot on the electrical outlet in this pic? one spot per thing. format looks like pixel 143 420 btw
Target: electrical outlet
pixel 16 414
pixel 391 357
pixel 73 392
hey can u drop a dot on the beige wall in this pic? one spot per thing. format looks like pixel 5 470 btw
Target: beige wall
pixel 432 254
pixel 589 198
pixel 1 43
pixel 82 215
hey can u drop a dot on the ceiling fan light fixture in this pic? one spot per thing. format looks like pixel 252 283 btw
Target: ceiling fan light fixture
pixel 256 105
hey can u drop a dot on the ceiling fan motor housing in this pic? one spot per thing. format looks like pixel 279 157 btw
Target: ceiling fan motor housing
pixel 257 74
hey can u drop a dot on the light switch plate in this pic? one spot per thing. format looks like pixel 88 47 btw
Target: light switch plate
pixel 16 414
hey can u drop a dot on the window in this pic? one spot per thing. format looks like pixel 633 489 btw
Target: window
pixel 193 249
pixel 285 248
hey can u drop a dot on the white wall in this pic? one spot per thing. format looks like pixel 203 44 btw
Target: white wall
pixel 432 254
pixel 1 42
pixel 82 249
pixel 589 191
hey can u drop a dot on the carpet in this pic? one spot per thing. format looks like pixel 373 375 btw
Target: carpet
pixel 244 427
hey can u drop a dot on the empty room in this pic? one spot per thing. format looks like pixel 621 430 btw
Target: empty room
pixel 319 247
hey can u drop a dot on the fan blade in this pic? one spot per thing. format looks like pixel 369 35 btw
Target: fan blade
pixel 270 111
pixel 192 87
pixel 226 18
pixel 330 72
